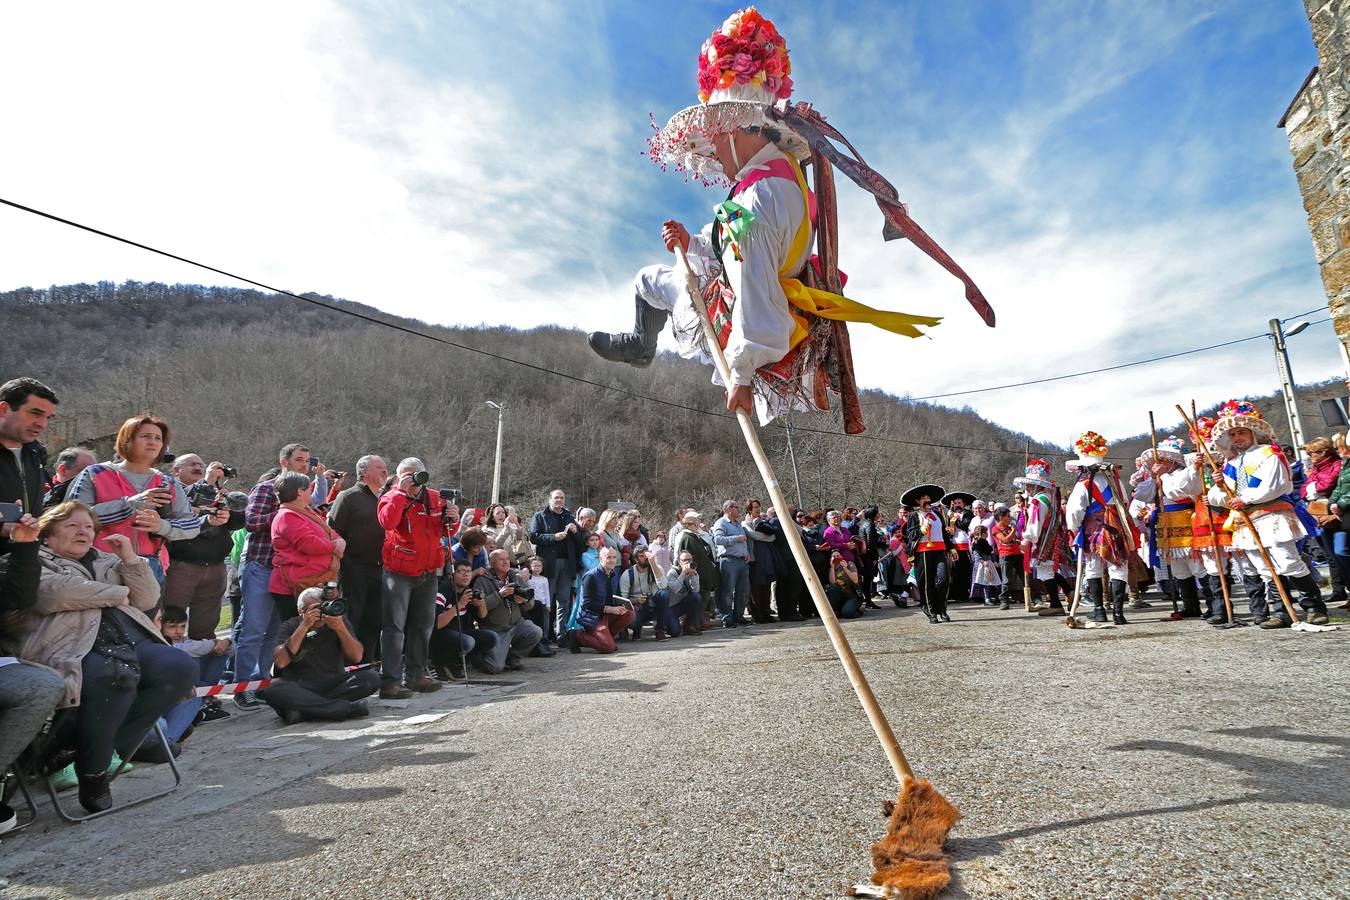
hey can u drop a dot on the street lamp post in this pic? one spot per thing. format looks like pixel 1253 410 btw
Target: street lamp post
pixel 497 465
pixel 1277 332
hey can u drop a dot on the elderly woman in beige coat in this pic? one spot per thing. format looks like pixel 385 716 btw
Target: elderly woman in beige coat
pixel 91 624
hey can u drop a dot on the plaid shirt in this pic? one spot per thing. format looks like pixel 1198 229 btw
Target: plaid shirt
pixel 258 515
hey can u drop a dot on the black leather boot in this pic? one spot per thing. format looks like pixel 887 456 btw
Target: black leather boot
pixel 94 794
pixel 1218 612
pixel 1255 590
pixel 638 347
pixel 1190 598
pixel 1094 593
pixel 1310 597
pixel 1118 594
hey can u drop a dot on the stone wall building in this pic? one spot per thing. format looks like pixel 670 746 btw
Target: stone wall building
pixel 1317 124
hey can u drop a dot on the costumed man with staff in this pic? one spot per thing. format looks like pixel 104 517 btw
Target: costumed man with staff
pixel 1170 535
pixel 1043 543
pixel 1097 515
pixel 748 296
pixel 959 517
pixel 1212 541
pixel 1262 482
pixel 927 538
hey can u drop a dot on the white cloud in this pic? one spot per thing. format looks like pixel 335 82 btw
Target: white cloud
pixel 398 156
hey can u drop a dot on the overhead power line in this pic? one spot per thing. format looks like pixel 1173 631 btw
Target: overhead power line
pixel 332 307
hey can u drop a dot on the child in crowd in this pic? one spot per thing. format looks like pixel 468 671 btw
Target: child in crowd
pixel 541 612
pixel 590 558
pixel 986 581
pixel 211 655
pixel 1009 546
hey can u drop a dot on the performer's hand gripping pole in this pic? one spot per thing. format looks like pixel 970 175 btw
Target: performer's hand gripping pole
pixel 1246 520
pixel 894 754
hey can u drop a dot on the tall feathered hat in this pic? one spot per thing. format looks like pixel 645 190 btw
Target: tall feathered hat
pixel 1037 475
pixel 1240 414
pixel 1091 448
pixel 1203 432
pixel 1169 450
pixel 743 70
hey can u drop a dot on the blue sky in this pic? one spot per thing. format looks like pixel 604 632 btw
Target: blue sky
pixel 1110 173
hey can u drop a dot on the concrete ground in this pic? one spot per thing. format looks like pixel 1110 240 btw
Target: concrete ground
pixel 1156 760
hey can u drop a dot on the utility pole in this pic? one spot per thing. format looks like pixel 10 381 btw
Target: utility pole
pixel 1287 381
pixel 497 466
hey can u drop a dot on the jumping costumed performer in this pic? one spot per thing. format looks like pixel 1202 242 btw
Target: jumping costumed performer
pixel 1097 514
pixel 748 294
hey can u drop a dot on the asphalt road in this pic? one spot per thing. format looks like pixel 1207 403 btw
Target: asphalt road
pixel 1156 760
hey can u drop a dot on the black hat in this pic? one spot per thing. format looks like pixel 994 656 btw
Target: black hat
pixel 964 496
pixel 911 496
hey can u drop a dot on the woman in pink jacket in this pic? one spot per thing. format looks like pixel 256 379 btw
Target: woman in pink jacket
pixel 307 550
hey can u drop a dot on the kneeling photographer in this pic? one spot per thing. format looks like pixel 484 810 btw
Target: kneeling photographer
pixel 456 640
pixel 316 648
pixel 506 598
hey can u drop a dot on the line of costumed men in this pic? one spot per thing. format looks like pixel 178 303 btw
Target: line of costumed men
pixel 1196 538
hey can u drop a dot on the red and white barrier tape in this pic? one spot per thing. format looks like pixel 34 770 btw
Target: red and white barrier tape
pixel 241 686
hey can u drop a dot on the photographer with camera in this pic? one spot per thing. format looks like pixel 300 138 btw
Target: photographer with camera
pixel 507 597
pixel 311 661
pixel 133 498
pixel 455 640
pixel 196 578
pixel 413 517
pixel 559 541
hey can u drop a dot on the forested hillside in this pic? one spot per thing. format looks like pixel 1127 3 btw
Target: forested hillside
pixel 237 373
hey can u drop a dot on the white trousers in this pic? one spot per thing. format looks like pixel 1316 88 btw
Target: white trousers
pixel 1285 557
pixel 1093 564
pixel 659 285
pixel 1182 567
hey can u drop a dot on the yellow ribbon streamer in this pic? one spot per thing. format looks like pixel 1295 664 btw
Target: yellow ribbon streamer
pixel 831 306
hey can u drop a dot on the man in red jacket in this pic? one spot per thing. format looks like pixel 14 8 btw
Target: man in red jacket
pixel 412 516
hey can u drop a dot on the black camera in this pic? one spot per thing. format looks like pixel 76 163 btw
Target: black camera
pixel 332 603
pixel 229 471
pixel 422 478
pixel 475 594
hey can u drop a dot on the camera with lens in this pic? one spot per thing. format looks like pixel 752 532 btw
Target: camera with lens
pixel 332 603
pixel 229 471
pixel 422 478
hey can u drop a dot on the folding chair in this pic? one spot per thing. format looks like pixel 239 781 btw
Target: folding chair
pixel 173 766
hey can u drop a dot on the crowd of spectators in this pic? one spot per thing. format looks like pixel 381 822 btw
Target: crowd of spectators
pixel 114 576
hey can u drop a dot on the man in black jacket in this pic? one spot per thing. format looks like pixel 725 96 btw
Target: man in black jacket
pixel 354 516
pixel 559 541
pixel 196 579
pixel 26 407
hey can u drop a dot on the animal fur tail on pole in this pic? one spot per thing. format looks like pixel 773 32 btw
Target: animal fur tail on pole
pixel 1246 520
pixel 910 858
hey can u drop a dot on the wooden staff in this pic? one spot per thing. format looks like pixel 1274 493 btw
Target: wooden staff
pixel 1077 586
pixel 1246 520
pixel 1219 561
pixel 1157 514
pixel 880 726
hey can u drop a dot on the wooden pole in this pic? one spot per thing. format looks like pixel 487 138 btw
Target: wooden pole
pixel 1157 514
pixel 1078 583
pixel 875 716
pixel 1219 561
pixel 1246 520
